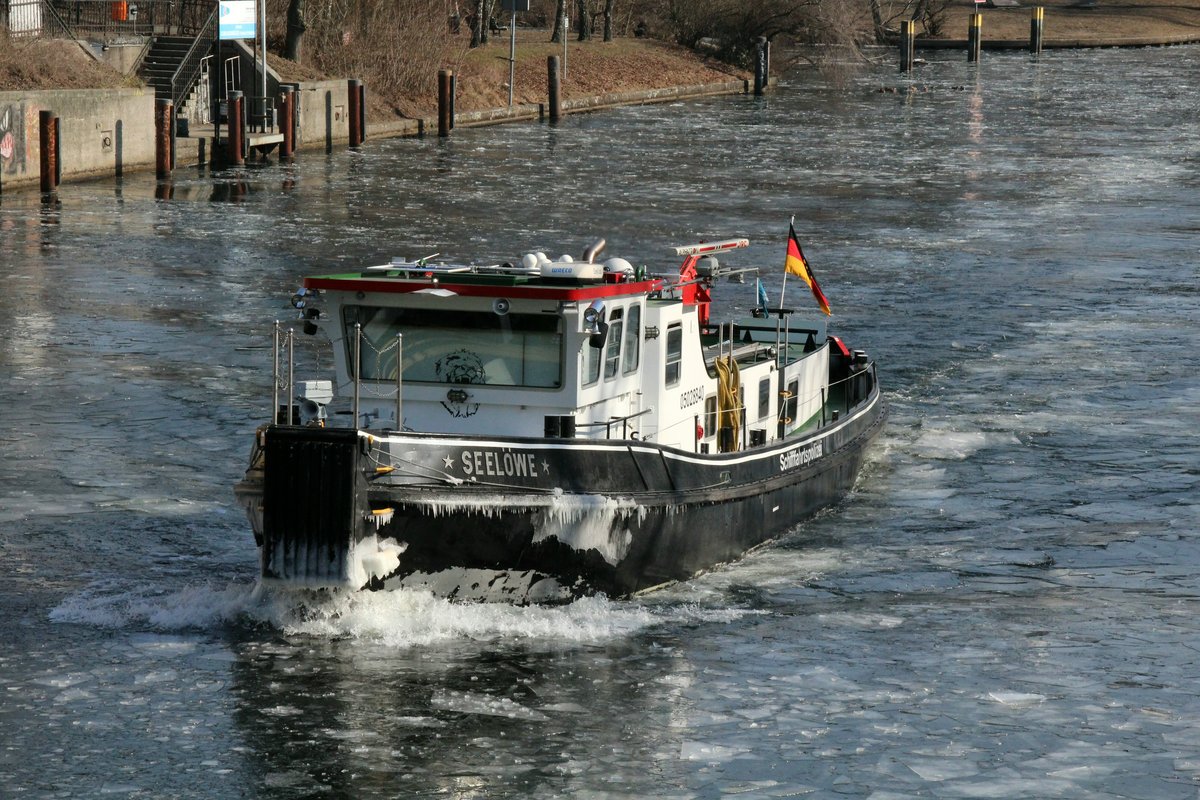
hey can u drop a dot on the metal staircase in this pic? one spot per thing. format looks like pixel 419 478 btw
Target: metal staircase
pixel 162 61
pixel 177 68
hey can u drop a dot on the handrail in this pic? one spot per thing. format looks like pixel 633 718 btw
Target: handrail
pixel 185 76
pixel 62 24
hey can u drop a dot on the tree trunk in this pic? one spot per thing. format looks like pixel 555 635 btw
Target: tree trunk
pixel 608 19
pixel 585 20
pixel 877 21
pixel 295 30
pixel 560 13
pixel 485 26
pixel 477 24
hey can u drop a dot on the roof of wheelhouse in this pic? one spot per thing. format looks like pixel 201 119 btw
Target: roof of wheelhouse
pixel 392 280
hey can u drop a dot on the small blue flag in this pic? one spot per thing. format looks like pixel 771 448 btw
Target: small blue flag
pixel 762 296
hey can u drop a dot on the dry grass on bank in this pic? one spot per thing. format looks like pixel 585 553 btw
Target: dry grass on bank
pixel 53 64
pixel 593 68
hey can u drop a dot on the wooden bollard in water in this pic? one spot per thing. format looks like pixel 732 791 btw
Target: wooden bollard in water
pixel 163 112
pixel 51 171
pixel 554 87
pixel 760 66
pixel 908 35
pixel 1036 23
pixel 235 140
pixel 975 37
pixel 354 98
pixel 444 102
pixel 362 112
pixel 287 101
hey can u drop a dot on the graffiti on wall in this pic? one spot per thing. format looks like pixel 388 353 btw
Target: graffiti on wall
pixel 12 139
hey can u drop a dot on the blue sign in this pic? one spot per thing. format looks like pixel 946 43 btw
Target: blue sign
pixel 235 19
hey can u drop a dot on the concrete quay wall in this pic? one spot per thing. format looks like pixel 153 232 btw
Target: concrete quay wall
pixel 101 132
pixel 111 131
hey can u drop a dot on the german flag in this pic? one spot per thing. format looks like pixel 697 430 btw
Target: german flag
pixel 797 264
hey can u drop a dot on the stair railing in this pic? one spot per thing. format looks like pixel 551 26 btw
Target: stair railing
pixel 189 68
pixel 59 28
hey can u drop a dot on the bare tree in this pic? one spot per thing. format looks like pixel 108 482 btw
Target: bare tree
pixel 295 30
pixel 585 20
pixel 478 26
pixel 877 22
pixel 560 16
pixel 608 19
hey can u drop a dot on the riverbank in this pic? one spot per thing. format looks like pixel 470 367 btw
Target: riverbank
pixel 597 74
pixel 1078 23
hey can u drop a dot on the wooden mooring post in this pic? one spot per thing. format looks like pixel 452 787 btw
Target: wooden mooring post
pixel 355 111
pixel 445 114
pixel 362 112
pixel 762 65
pixel 1036 24
pixel 49 151
pixel 235 140
pixel 975 37
pixel 164 113
pixel 554 87
pixel 908 36
pixel 287 121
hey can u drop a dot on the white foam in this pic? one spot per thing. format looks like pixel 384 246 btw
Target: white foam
pixel 400 618
pixel 958 445
pixel 190 607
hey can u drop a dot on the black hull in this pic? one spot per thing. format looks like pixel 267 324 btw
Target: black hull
pixel 537 519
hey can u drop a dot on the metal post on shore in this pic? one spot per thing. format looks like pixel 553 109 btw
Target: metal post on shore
pixel 975 38
pixel 908 34
pixel 1036 24
pixel 51 170
pixel 163 114
pixel 512 54
pixel 444 76
pixel 235 133
pixel 287 102
pixel 554 86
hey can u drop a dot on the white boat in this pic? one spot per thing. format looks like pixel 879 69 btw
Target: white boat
pixel 558 428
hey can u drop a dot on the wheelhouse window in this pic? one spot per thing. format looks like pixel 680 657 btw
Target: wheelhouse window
pixel 674 354
pixel 793 403
pixel 764 398
pixel 592 356
pixel 633 340
pixel 612 348
pixel 477 347
pixel 710 415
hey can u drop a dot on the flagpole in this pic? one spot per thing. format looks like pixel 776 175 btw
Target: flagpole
pixel 783 291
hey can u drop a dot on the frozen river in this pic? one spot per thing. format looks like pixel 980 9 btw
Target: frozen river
pixel 1006 607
